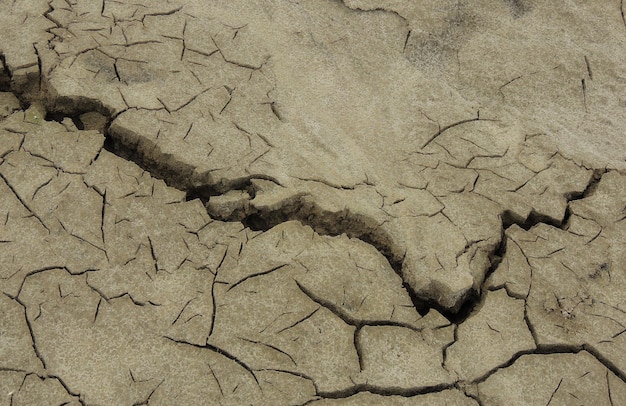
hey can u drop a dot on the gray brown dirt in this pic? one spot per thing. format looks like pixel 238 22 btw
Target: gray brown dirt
pixel 312 202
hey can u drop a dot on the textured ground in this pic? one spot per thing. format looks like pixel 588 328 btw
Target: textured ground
pixel 321 202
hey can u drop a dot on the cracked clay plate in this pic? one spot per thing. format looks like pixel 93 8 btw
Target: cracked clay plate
pixel 312 202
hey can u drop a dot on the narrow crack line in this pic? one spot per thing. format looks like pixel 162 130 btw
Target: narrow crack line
pixel 217 381
pixel 147 401
pixel 102 217
pixel 271 347
pixel 588 66
pixel 292 373
pixel 161 14
pixel 608 388
pixel 43 185
pixel 254 275
pixel 506 84
pixel 95 316
pixel 78 237
pixel 541 350
pixel 619 333
pixel 154 257
pixel 191 100
pixel 16 370
pixel 230 98
pixel 126 294
pixel 213 301
pixel 274 321
pixel 221 352
pixel 554 392
pixel 458 123
pixel 67 388
pixel 598 315
pixel 303 319
pixel 529 325
pixel 23 203
pixel 358 347
pixel 31 330
pixel 276 111
pixel 406 40
pixel 346 318
pixel 621 7
pixel 446 348
pixel 182 310
pixel 37 271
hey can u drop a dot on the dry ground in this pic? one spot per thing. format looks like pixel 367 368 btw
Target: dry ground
pixel 357 202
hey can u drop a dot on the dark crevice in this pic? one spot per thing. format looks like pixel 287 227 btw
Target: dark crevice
pixel 305 211
pixel 509 219
pixel 300 208
pixel 358 347
pixel 134 151
pixel 59 117
pixel 476 299
pixel 591 188
pixel 5 75
pixel 444 349
pixel 608 364
pixel 387 391
pixel 323 222
pixel 471 303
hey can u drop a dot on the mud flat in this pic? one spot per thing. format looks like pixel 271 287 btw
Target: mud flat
pixel 322 202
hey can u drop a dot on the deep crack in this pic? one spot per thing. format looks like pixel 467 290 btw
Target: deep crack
pixel 301 208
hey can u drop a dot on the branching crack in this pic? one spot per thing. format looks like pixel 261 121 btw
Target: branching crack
pixel 346 318
pixel 32 334
pixel 23 203
pixel 221 352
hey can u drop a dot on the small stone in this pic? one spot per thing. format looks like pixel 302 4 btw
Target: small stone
pixel 35 114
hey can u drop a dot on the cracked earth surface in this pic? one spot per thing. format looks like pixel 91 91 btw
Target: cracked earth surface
pixel 312 202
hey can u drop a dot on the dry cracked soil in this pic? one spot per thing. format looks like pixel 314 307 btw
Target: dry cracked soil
pixel 312 202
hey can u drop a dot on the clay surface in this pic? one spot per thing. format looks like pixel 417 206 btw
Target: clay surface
pixel 315 202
